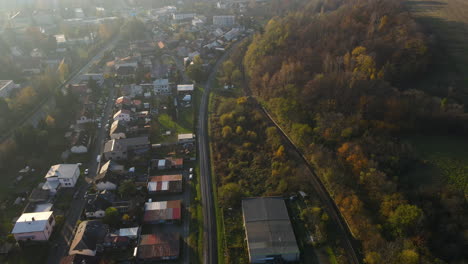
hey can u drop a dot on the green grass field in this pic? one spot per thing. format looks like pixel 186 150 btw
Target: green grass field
pixel 448 19
pixel 446 160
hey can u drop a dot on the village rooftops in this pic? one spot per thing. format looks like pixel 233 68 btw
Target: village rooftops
pixel 31 222
pixel 131 232
pixel 268 229
pixel 123 144
pixel 62 171
pixel 88 235
pixel 158 212
pixel 185 88
pixel 165 183
pixel 162 82
pixel 123 100
pixel 122 112
pixel 159 246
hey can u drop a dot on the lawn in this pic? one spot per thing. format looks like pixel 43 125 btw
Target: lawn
pixel 448 19
pixel 29 254
pixel 445 160
pixel 167 123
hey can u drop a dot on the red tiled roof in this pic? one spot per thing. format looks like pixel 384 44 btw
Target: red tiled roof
pixel 177 161
pixel 159 245
pixel 123 100
pixel 175 177
pixel 162 215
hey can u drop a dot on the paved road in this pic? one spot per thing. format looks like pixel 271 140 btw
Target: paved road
pixel 38 113
pixel 78 204
pixel 210 248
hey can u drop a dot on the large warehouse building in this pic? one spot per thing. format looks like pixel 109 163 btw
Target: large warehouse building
pixel 269 231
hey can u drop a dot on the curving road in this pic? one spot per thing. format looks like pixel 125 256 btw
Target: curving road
pixel 210 255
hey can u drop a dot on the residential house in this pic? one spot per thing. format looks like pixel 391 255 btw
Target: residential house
pixel 175 163
pixel 123 101
pixel 34 226
pixel 161 86
pixel 224 21
pixel 159 164
pixel 113 242
pixel 158 246
pixel 133 90
pixel 80 89
pixel 124 72
pixel 80 142
pixel 147 63
pixel 118 130
pixel 197 22
pixel 123 115
pixel 185 88
pixel 165 184
pixel 6 87
pixel 117 149
pixel 107 179
pixel 137 105
pixel 162 212
pixel 85 116
pixel 186 138
pixel 132 232
pixel 167 163
pixel 232 34
pixel 179 17
pixel 96 204
pixel 269 233
pixel 89 238
pixel 61 175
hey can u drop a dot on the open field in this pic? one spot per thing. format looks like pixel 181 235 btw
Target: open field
pixel 448 20
pixel 446 23
pixel 445 161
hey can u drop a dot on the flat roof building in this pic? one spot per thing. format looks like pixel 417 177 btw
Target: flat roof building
pixel 185 88
pixel 34 226
pixel 224 21
pixel 268 230
pixel 185 138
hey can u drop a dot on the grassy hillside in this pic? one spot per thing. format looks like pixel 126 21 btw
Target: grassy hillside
pixel 447 20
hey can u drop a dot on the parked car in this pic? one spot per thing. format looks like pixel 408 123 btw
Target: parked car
pixel 190 176
pixel 86 172
pixel 191 170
